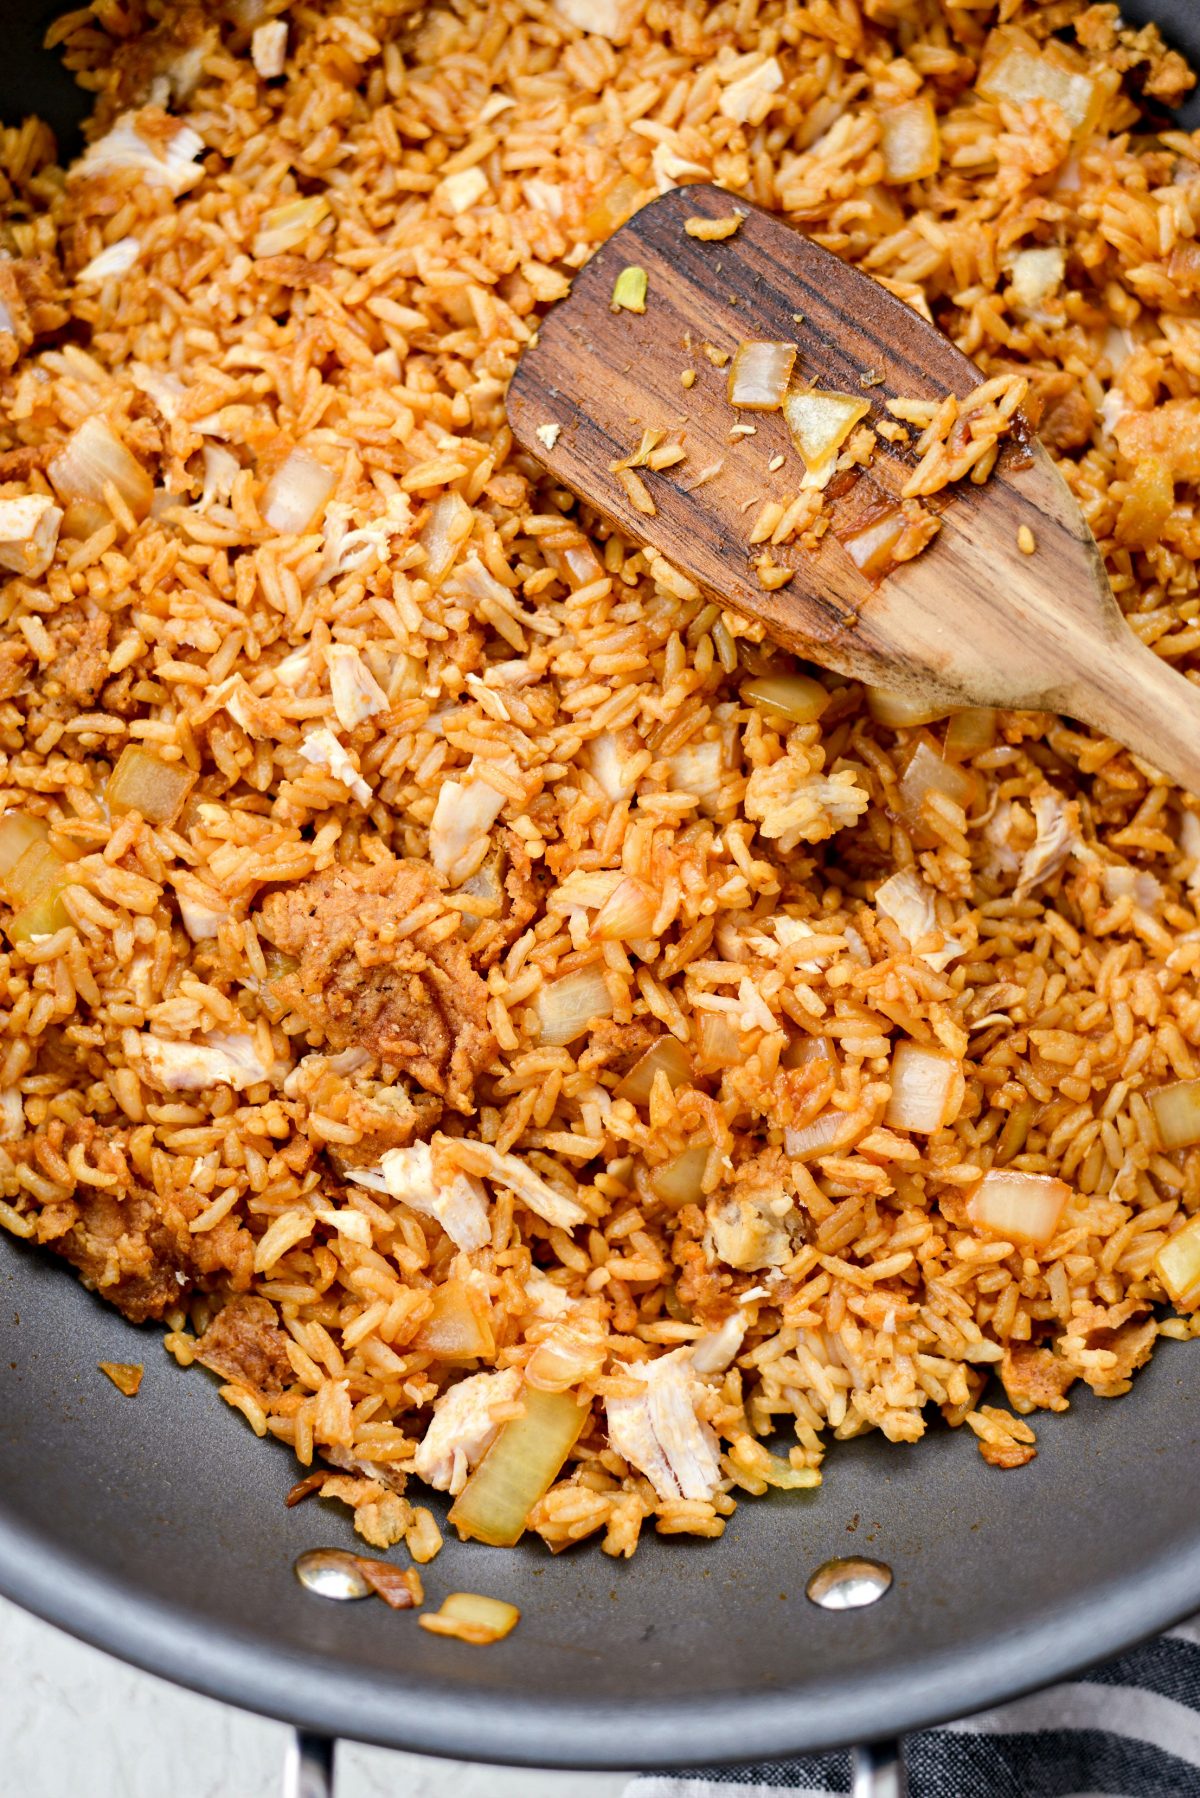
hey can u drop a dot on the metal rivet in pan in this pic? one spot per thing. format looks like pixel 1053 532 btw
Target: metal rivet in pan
pixel 847 1585
pixel 331 1573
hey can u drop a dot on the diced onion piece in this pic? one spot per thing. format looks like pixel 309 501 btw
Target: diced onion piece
pixel 41 917
pixel 36 871
pixel 718 1042
pixel 759 375
pixel 807 1049
pixel 613 207
pixel 575 1350
pixel 699 769
pixel 1018 1207
pixel 667 1056
pixel 902 711
pixel 1014 69
pixel 1176 1111
pixel 820 422
pixel 870 546
pixel 1035 274
pixel 927 1089
pixel 969 733
pixel 83 518
pixel 681 1181
pixel 626 914
pixel 928 773
pixel 459 1329
pixel 296 493
pixel 143 782
pixel 566 1007
pixel 1177 1265
pixel 793 696
pixel 443 534
pixel 18 832
pixel 92 457
pixel 286 227
pixel 519 1468
pixel 579 566
pixel 472 1618
pixel 629 290
pixel 910 140
pixel 821 1137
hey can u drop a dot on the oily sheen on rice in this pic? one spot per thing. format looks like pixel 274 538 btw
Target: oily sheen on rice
pixel 517 1003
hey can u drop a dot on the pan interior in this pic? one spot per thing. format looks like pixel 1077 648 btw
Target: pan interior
pixel 155 1527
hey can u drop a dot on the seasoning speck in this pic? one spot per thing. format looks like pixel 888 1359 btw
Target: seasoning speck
pixel 872 378
pixel 126 1376
pixel 1026 541
pixel 548 434
pixel 713 230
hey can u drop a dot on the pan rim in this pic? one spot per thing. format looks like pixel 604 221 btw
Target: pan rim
pixel 219 1662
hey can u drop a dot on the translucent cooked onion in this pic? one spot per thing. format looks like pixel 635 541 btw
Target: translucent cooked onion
pixel 668 1057
pixel 818 1138
pixel 870 547
pixel 629 290
pixel 286 227
pixel 33 885
pixel 613 207
pixel 1177 1265
pixel 296 493
pixel 759 375
pixel 807 1049
pixel 718 1042
pixel 969 733
pixel 17 834
pixel 445 531
pixel 1018 1207
pixel 627 914
pixel 699 769
pixel 143 782
pixel 566 1007
pixel 1176 1111
pixel 820 423
pixel 1035 274
pixel 927 1089
pixel 681 1181
pixel 84 517
pixel 459 1329
pixel 793 696
pixel 928 773
pixel 91 459
pixel 902 711
pixel 519 1468
pixel 574 1351
pixel 910 140
pixel 1014 69
pixel 472 1618
pixel 579 565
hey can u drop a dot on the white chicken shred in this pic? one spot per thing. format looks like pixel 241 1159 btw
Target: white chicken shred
pixel 268 48
pixel 1057 838
pixel 222 1058
pixel 910 905
pixel 462 1429
pixel 160 160
pixel 465 812
pixel 356 694
pixel 429 1183
pixel 510 1171
pixel 28 534
pixel 321 749
pixel 659 1432
pixel 117 259
pixel 744 97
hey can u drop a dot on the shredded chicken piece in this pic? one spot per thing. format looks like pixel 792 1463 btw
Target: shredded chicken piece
pixel 268 48
pixel 610 756
pixel 715 1351
pixel 462 1429
pixel 1132 883
pixel 157 147
pixel 352 551
pixel 222 1058
pixel 510 1171
pixel 910 905
pixel 796 803
pixel 659 1432
pixel 322 749
pixel 748 1220
pixel 745 95
pixel 221 469
pixel 28 534
pixel 462 818
pixel 426 1179
pixel 365 978
pixel 356 694
pixel 116 259
pixel 613 19
pixel 1057 823
pixel 547 1299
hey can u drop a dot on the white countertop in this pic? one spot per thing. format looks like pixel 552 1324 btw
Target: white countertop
pixel 72 1721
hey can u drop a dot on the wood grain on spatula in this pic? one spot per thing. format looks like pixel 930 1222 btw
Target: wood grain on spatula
pixel 970 621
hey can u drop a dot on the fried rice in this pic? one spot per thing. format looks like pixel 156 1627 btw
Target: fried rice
pixel 507 1003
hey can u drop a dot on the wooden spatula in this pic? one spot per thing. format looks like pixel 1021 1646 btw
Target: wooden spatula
pixel 972 620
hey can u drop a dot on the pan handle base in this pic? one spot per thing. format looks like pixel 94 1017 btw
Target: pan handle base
pixel 879 1771
pixel 308 1769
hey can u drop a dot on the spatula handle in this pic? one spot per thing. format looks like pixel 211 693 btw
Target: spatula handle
pixel 1133 695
